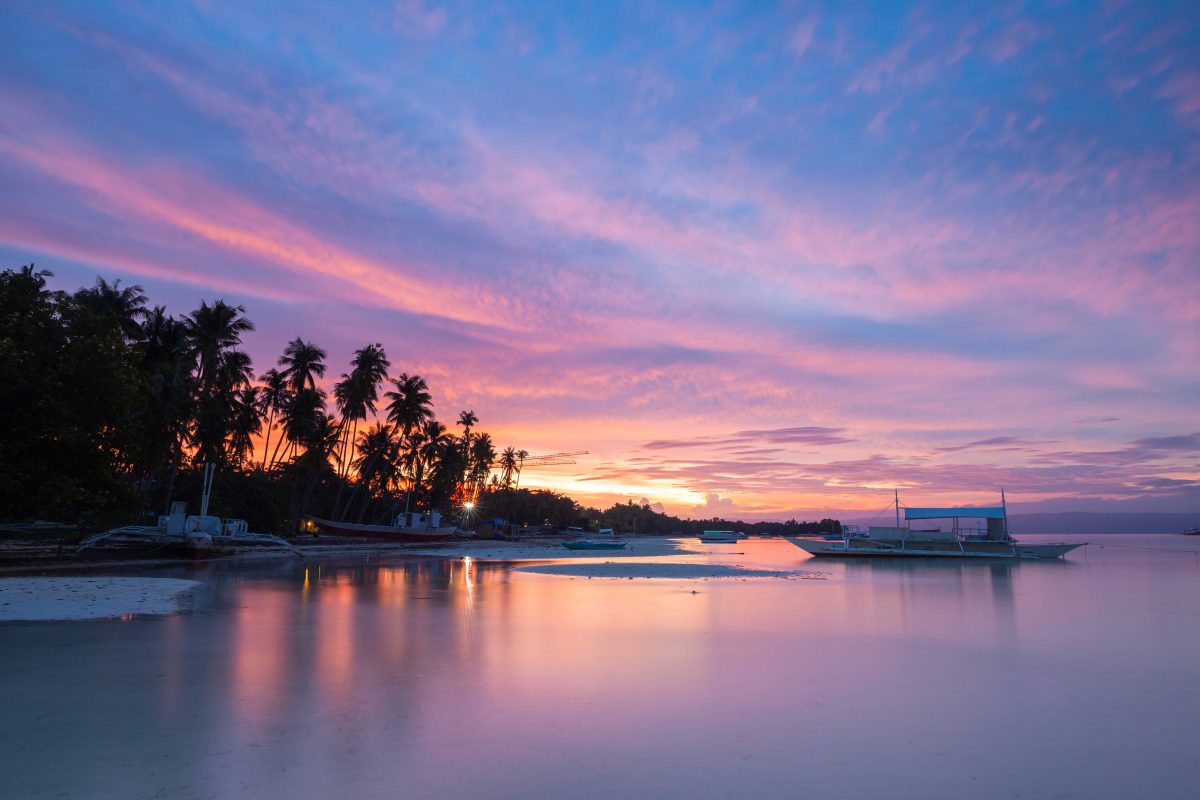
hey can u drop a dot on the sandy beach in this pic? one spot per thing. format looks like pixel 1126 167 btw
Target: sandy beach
pixel 72 598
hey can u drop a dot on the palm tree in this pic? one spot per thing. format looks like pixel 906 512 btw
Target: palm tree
pixel 246 423
pixel 303 363
pixel 467 420
pixel 275 396
pixel 319 436
pixel 508 466
pixel 167 363
pixel 377 462
pixel 213 330
pixel 302 419
pixel 410 405
pixel 483 455
pixel 358 390
pixel 222 373
pixel 126 306
pixel 356 394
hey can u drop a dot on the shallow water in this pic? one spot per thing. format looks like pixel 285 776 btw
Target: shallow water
pixel 451 679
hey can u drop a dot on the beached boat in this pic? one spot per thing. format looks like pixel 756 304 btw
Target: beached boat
pixel 409 527
pixel 721 537
pixel 596 544
pixel 990 541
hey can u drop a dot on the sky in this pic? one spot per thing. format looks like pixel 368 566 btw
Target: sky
pixel 758 260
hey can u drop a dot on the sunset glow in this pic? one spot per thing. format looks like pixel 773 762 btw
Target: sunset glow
pixel 766 262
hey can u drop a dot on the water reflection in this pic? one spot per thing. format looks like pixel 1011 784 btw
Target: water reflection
pixel 459 678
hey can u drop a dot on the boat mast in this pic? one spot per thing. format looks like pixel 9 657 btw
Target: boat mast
pixel 1004 506
pixel 210 469
pixel 897 491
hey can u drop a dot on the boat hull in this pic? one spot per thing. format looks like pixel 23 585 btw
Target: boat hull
pixel 388 532
pixel 894 549
pixel 594 545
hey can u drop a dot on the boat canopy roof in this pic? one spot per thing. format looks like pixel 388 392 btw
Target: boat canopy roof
pixel 975 512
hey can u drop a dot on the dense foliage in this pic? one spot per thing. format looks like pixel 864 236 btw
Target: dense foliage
pixel 109 409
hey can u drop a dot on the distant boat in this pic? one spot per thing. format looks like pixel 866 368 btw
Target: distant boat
pixel 721 537
pixel 596 544
pixel 991 541
pixel 1192 532
pixel 410 527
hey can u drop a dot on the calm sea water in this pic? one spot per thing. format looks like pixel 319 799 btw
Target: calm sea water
pixel 452 679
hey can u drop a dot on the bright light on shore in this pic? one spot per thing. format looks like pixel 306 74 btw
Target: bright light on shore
pixel 468 506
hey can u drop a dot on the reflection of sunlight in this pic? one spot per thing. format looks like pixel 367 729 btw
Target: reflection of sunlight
pixel 334 638
pixel 259 652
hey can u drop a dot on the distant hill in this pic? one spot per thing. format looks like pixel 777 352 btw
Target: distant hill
pixel 1091 522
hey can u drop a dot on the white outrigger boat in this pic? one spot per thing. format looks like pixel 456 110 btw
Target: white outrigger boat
pixel 199 533
pixel 990 541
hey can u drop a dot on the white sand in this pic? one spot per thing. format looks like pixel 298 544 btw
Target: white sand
pixel 62 598
pixel 659 569
pixel 500 550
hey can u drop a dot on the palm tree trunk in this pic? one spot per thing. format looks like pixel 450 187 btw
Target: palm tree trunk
pixel 267 441
pixel 282 439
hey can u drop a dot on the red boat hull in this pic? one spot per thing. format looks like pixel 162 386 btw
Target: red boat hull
pixel 389 532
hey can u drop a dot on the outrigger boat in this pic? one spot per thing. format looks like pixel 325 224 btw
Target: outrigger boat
pixel 595 544
pixel 721 537
pixel 606 539
pixel 991 541
pixel 200 534
pixel 408 527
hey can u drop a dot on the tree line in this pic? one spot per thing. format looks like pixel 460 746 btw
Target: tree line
pixel 110 407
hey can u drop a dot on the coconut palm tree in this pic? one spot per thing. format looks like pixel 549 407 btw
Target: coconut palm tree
pixel 302 420
pixel 483 455
pixel 378 460
pixel 358 391
pixel 275 396
pixel 508 466
pixel 222 373
pixel 319 437
pixel 355 395
pixel 214 330
pixel 303 362
pixel 126 306
pixel 245 424
pixel 167 363
pixel 410 405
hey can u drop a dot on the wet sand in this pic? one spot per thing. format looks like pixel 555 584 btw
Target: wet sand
pixel 43 599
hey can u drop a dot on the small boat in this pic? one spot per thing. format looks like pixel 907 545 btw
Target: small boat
pixel 596 544
pixel 1192 532
pixel 991 541
pixel 721 537
pixel 409 527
